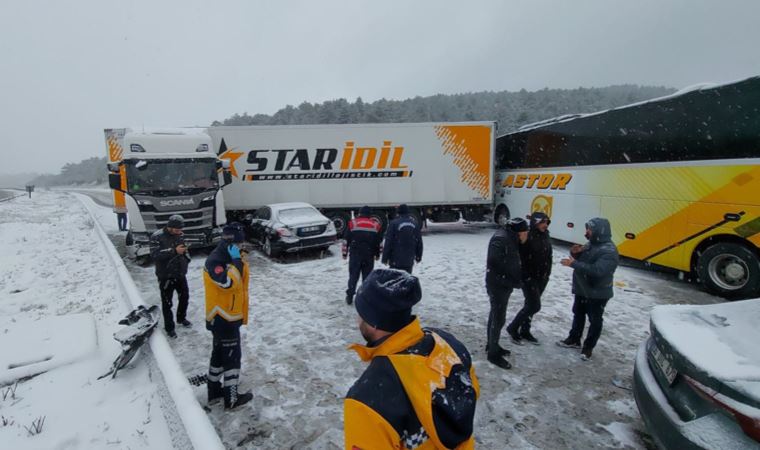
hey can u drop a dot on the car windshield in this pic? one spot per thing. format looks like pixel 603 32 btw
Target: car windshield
pixel 171 176
pixel 299 214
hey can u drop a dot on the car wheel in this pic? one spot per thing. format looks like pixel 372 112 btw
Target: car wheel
pixel 271 252
pixel 501 215
pixel 730 270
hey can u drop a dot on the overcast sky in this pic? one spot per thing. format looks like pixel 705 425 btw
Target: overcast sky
pixel 70 69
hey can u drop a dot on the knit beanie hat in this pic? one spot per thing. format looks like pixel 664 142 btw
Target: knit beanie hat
pixel 538 217
pixel 517 224
pixel 233 232
pixel 403 209
pixel 386 297
pixel 364 211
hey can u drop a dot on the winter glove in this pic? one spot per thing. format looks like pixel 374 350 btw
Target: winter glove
pixel 233 251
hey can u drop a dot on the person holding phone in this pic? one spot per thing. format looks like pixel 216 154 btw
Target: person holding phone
pixel 168 250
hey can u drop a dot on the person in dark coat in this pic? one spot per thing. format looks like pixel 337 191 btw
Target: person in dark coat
pixel 168 250
pixel 503 274
pixel 536 261
pixel 419 389
pixel 593 267
pixel 362 247
pixel 403 241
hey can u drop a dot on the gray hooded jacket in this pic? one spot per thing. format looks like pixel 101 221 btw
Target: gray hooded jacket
pixel 596 263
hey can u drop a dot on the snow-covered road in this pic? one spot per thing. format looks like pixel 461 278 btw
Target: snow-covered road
pixel 296 363
pixel 295 359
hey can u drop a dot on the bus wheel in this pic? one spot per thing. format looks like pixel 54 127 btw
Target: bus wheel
pixel 501 215
pixel 730 270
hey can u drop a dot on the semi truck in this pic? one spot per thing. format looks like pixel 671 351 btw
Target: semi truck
pixel 442 171
pixel 155 174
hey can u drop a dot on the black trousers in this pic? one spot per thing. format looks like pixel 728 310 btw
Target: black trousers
pixel 404 268
pixel 497 317
pixel 225 356
pixel 358 265
pixel 532 291
pixel 168 287
pixel 121 219
pixel 594 309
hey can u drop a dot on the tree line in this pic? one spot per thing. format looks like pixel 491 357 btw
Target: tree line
pixel 510 110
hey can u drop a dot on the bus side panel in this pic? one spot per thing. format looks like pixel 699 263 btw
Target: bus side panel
pixel 633 217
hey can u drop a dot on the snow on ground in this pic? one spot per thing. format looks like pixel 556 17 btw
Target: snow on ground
pixel 296 363
pixel 53 271
pixel 295 359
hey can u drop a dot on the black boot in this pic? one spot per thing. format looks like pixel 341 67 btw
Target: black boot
pixel 349 299
pixel 514 336
pixel 499 361
pixel 502 351
pixel 214 390
pixel 232 399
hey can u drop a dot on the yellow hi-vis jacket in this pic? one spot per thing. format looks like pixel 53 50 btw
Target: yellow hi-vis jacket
pixel 418 392
pixel 226 290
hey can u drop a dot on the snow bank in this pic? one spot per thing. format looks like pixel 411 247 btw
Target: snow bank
pixel 45 344
pixel 198 428
pixel 58 302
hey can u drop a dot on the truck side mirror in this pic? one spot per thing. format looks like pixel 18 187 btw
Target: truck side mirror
pixel 114 181
pixel 227 177
pixel 113 167
pixel 225 164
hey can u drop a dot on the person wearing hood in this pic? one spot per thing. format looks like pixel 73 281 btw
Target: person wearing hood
pixel 593 267
pixel 362 247
pixel 225 280
pixel 168 250
pixel 503 274
pixel 403 241
pixel 536 262
pixel 420 388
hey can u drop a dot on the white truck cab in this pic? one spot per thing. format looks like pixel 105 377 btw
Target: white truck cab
pixel 158 173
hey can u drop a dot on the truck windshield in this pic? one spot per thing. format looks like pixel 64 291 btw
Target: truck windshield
pixel 171 176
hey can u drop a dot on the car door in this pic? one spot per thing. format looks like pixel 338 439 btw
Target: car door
pixel 259 224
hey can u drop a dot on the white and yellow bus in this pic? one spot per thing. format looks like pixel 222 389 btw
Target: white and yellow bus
pixel 678 178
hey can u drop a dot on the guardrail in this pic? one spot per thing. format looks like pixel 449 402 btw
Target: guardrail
pixel 197 425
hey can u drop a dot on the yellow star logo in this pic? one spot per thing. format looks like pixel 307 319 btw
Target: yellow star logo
pixel 231 156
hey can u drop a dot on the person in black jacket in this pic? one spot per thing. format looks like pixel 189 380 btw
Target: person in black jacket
pixel 403 241
pixel 362 247
pixel 593 267
pixel 503 274
pixel 536 259
pixel 168 249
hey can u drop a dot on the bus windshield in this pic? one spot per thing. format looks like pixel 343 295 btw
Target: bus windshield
pixel 171 176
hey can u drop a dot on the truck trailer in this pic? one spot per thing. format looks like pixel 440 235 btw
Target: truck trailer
pixel 443 171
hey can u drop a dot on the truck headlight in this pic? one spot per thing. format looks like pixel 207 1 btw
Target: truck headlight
pixel 144 202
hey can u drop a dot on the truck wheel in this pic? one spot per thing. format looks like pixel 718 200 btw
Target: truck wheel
pixel 416 215
pixel 730 270
pixel 340 219
pixel 501 215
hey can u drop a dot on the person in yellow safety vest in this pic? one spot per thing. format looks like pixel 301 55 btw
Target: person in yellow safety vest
pixel 420 388
pixel 225 279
